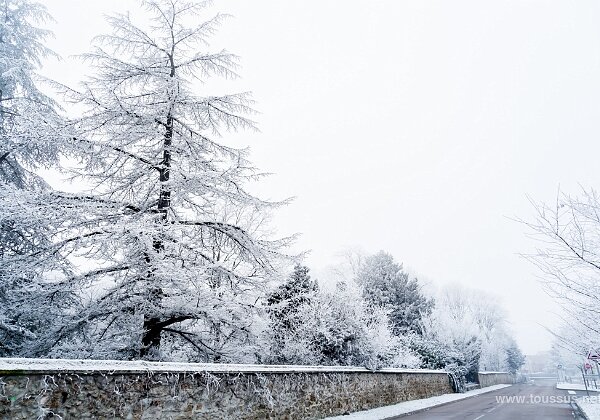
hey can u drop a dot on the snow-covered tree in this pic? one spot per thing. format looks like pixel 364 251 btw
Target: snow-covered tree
pixel 344 267
pixel 26 114
pixel 486 313
pixel 284 303
pixel 29 140
pixel 514 358
pixel 454 339
pixel 160 269
pixel 283 307
pixel 339 328
pixel 466 329
pixel 291 294
pixel 574 337
pixel 386 284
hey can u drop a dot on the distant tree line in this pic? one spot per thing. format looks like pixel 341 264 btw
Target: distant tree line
pixel 382 317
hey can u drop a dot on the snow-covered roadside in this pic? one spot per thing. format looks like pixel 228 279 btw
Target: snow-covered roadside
pixel 406 407
pixel 575 387
pixel 590 407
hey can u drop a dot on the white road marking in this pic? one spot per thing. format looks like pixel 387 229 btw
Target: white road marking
pixel 492 409
pixel 572 392
pixel 489 411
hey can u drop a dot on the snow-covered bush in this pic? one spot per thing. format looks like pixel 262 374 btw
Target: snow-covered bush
pixel 335 328
pixel 467 330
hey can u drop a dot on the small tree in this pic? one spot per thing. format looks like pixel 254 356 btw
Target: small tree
pixel 385 284
pixel 514 358
pixel 285 302
pixel 293 292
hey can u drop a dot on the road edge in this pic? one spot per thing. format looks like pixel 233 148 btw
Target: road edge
pixel 371 414
pixel 421 410
pixel 579 410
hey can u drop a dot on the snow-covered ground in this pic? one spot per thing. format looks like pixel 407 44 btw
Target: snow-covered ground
pixel 415 405
pixel 590 407
pixel 575 387
pixel 67 365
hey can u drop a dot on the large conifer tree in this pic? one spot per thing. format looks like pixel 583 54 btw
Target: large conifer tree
pixel 166 267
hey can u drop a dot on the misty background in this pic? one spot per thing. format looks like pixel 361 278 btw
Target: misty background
pixel 417 127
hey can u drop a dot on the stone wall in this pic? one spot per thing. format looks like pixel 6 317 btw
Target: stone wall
pixel 495 378
pixel 205 391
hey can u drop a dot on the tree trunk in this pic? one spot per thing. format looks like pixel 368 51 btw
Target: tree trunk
pixel 152 325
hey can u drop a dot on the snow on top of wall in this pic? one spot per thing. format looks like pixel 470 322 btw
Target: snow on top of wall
pixel 120 366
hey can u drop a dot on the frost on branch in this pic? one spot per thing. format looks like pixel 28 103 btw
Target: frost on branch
pixel 313 327
pixel 466 332
pixel 29 139
pixel 568 256
pixel 385 284
pixel 171 249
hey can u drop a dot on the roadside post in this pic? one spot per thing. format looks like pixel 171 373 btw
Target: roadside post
pixel 583 369
pixel 593 356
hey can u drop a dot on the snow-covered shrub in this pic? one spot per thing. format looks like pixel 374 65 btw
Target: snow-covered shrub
pixel 336 328
pixel 467 330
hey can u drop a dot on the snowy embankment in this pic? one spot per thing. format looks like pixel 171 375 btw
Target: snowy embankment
pixel 415 405
pixel 120 366
pixel 590 406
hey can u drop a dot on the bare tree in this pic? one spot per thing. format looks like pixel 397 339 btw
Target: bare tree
pixel 569 257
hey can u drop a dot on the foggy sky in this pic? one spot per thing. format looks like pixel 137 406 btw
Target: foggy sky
pixel 417 127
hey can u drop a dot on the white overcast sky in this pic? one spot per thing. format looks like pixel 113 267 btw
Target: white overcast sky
pixel 414 126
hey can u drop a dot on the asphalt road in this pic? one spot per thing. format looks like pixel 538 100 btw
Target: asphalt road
pixel 540 400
